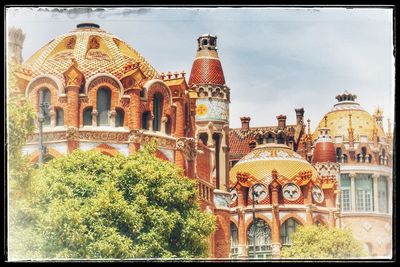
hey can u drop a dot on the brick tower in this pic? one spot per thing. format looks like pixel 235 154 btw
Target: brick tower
pixel 212 130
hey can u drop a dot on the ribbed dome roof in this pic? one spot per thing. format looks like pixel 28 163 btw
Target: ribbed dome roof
pixel 338 120
pixel 264 158
pixel 95 51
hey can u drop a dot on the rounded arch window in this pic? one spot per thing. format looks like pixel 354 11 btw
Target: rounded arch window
pixel 145 120
pixel 287 230
pixel 234 240
pixel 204 42
pixel 119 118
pixel 87 116
pixel 270 139
pixel 44 104
pixel 157 111
pixel 338 154
pixel 260 233
pixel 59 117
pixel 280 139
pixel 103 106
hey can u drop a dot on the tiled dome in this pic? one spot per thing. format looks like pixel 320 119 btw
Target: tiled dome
pixel 264 158
pixel 338 119
pixel 95 51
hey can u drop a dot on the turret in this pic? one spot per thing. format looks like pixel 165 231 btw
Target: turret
pixel 324 148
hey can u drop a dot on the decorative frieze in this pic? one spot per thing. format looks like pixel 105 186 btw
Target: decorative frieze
pixel 104 136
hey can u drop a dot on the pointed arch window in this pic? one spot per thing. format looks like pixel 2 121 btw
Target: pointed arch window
pixel 45 97
pixel 157 111
pixel 287 230
pixel 103 106
pixel 59 117
pixel 262 238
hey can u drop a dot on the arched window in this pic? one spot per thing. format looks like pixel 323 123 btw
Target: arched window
pixel 87 116
pixel 270 139
pixel 157 111
pixel 363 154
pixel 59 117
pixel 204 42
pixel 103 106
pixel 382 194
pixel 280 139
pixel 262 240
pixel 119 118
pixel 338 155
pixel 234 240
pixel 287 230
pixel 45 98
pixel 145 120
pixel 260 140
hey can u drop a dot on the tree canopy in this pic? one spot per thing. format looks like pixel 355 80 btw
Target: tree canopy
pixel 319 242
pixel 87 205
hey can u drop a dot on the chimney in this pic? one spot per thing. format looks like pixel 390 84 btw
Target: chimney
pixel 245 123
pixel 281 121
pixel 299 115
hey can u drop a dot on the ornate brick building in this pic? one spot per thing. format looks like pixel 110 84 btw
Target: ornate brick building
pixel 357 142
pixel 105 96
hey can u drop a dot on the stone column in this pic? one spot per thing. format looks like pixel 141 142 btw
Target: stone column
pixel 353 191
pixel 308 202
pixel 375 178
pixel 94 117
pixel 242 237
pixel 275 229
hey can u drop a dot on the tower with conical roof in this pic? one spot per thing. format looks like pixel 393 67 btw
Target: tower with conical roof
pixel 207 82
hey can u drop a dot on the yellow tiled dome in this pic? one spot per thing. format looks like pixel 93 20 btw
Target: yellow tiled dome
pixel 264 158
pixel 338 120
pixel 95 51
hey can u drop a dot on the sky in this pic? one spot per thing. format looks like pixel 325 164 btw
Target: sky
pixel 274 59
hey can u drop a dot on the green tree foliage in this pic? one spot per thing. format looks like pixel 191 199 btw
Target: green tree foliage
pixel 319 242
pixel 20 124
pixel 88 205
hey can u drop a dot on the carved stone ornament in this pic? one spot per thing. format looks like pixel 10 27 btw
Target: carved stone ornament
pixel 187 146
pixel 291 191
pixel 317 194
pixel 72 133
pixel 135 136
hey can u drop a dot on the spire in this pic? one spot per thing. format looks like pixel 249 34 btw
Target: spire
pixel 378 116
pixel 308 127
pixel 350 124
pixel 207 68
pixel 326 121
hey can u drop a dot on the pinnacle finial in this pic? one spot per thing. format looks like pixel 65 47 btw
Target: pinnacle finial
pixel 326 121
pixel 350 123
pixel 308 126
